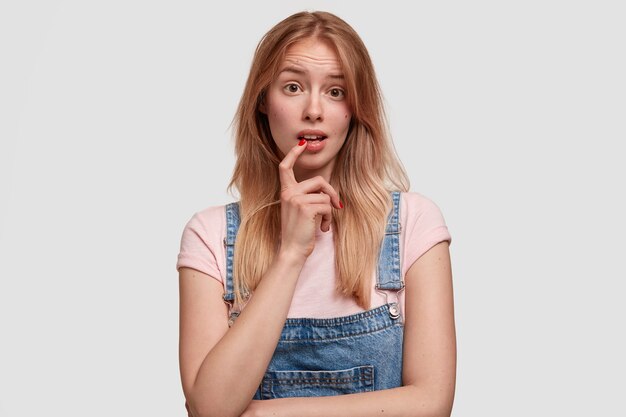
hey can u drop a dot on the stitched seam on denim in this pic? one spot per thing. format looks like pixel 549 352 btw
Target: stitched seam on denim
pixel 293 322
pixel 364 373
pixel 356 369
pixel 343 336
pixel 334 381
pixel 232 226
pixel 389 271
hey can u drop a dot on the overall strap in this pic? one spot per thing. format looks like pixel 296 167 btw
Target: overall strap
pixel 232 226
pixel 389 275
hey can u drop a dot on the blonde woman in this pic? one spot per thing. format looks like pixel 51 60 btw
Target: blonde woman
pixel 326 290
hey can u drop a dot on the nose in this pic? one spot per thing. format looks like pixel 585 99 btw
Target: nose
pixel 313 110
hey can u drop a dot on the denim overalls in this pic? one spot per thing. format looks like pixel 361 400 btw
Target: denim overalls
pixel 343 355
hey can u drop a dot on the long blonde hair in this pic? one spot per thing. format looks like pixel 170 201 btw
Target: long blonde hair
pixel 366 169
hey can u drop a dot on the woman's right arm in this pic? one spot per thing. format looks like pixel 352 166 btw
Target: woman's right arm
pixel 221 367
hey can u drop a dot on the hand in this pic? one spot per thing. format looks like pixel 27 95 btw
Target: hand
pixel 305 206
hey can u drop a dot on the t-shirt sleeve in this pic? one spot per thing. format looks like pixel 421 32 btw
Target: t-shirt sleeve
pixel 424 227
pixel 201 245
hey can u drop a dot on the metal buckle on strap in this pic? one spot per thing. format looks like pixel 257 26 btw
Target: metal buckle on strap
pixel 232 317
pixel 394 308
pixel 233 312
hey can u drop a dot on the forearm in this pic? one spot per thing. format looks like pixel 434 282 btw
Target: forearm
pixel 403 401
pixel 231 372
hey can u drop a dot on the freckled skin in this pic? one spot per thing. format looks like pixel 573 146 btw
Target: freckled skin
pixel 309 97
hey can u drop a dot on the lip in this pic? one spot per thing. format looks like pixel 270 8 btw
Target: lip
pixel 311 132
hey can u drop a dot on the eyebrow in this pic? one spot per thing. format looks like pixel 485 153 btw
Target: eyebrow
pixel 300 71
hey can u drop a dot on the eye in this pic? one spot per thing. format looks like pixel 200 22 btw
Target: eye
pixel 337 93
pixel 292 88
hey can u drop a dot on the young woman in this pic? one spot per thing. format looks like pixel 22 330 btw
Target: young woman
pixel 326 290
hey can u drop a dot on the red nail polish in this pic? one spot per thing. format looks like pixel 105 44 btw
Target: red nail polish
pixel 340 204
pixel 302 142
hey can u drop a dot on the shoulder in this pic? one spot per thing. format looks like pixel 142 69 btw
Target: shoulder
pixel 207 220
pixel 201 245
pixel 415 206
pixel 206 228
pixel 423 226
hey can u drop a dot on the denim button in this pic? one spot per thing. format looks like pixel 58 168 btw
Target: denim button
pixel 394 311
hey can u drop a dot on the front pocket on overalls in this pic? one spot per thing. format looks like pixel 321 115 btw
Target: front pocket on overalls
pixel 285 384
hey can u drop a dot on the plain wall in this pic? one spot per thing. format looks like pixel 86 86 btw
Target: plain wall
pixel 114 130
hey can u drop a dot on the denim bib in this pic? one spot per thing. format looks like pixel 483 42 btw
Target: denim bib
pixel 334 356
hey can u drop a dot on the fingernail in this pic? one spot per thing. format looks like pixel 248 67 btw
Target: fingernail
pixel 302 142
pixel 340 204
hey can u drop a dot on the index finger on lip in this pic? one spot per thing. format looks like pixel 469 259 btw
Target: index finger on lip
pixel 285 168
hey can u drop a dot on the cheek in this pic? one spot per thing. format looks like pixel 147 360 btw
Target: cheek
pixel 279 115
pixel 343 114
pixel 342 119
pixel 275 109
pixel 280 125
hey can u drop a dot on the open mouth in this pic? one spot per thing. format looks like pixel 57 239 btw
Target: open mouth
pixel 312 138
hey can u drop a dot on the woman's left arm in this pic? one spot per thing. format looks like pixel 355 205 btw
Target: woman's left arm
pixel 429 356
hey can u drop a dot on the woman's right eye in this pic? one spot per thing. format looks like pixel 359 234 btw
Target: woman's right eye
pixel 292 88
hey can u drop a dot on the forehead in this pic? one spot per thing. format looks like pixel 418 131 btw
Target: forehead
pixel 312 52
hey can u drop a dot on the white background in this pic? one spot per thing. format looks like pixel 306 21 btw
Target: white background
pixel 114 129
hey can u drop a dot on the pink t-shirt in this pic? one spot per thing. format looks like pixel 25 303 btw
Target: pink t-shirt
pixel 423 226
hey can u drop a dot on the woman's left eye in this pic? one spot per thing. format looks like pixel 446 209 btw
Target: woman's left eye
pixel 337 93
pixel 292 88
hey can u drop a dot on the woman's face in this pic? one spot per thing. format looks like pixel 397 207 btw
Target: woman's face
pixel 308 100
